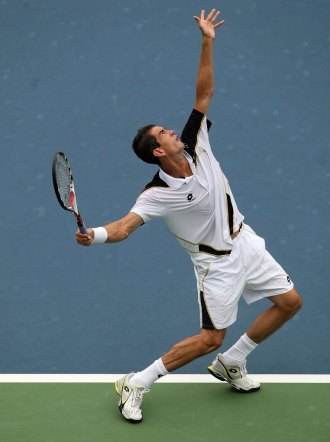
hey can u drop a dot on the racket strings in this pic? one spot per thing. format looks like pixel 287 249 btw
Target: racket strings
pixel 64 182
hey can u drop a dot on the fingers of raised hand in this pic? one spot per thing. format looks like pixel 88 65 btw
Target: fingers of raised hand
pixel 218 24
pixel 202 17
pixel 211 17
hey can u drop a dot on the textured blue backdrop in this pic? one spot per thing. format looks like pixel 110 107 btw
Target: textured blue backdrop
pixel 81 76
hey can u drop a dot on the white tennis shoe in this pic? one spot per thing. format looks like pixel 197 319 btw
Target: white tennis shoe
pixel 235 375
pixel 131 397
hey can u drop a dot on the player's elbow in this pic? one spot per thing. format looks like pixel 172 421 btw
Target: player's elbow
pixel 203 101
pixel 127 225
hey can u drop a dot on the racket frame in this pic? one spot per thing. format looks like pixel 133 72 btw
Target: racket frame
pixel 73 208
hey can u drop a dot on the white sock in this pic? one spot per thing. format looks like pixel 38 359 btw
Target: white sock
pixel 239 351
pixel 149 375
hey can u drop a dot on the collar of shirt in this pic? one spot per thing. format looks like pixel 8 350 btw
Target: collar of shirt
pixel 176 183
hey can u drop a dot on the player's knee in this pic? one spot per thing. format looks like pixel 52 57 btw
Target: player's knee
pixel 297 304
pixel 293 304
pixel 212 339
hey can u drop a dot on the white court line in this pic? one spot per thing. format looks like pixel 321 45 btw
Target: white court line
pixel 172 378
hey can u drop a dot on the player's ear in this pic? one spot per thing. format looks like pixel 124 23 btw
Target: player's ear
pixel 158 152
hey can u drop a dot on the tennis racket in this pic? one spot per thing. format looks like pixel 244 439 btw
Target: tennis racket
pixel 64 187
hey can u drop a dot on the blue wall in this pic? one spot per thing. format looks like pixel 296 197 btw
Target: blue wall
pixel 82 76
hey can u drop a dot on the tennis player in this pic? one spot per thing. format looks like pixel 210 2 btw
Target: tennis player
pixel 193 196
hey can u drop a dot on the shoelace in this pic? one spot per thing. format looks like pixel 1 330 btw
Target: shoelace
pixel 138 396
pixel 242 370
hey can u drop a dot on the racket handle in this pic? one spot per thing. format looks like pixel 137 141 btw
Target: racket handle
pixel 80 223
pixel 82 228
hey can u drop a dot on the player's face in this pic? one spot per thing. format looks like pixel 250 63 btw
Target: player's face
pixel 169 141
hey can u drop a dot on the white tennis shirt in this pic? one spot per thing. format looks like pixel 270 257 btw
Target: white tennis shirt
pixel 199 209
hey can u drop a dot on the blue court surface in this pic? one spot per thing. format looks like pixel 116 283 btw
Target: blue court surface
pixel 81 77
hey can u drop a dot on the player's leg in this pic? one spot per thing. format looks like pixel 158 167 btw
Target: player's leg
pixel 192 348
pixel 133 386
pixel 285 307
pixel 179 355
pixel 219 290
pixel 265 279
pixel 221 287
pixel 233 361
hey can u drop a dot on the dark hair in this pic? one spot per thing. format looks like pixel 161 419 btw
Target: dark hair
pixel 144 145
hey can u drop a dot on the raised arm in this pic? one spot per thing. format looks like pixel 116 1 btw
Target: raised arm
pixel 116 231
pixel 205 78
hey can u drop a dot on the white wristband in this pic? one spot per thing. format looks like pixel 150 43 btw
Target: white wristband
pixel 100 235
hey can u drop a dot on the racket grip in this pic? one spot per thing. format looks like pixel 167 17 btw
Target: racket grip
pixel 80 223
pixel 82 228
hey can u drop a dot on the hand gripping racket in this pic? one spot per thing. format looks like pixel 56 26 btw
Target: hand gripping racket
pixel 64 188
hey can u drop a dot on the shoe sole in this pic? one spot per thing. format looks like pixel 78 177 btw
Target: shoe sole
pixel 229 381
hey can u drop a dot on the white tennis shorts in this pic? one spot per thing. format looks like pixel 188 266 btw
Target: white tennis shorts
pixel 249 271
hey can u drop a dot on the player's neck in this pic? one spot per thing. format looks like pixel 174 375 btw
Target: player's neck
pixel 176 167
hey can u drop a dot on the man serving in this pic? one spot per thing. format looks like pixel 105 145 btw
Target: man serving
pixel 193 196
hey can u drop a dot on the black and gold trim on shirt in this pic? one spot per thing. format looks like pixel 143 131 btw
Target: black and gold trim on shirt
pixel 190 132
pixel 230 214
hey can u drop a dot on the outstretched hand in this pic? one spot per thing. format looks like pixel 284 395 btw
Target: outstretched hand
pixel 207 25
